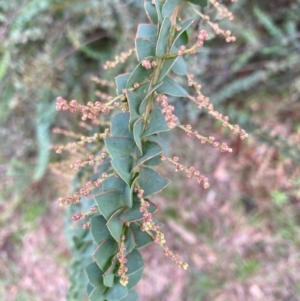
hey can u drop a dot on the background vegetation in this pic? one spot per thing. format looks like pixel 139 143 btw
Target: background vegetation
pixel 241 237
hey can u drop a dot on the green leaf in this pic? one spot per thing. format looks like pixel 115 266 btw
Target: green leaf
pixel 132 295
pixel 134 262
pixel 134 214
pixel 116 293
pixel 109 276
pixel 119 146
pixel 162 42
pixel 161 142
pixel 123 166
pixel 138 75
pixel 141 238
pixel 202 3
pixel 157 123
pixel 134 278
pixel 147 31
pixel 184 26
pixel 153 162
pixel 98 229
pixel 94 274
pixel 89 289
pixel 170 87
pixel 169 7
pixel 115 226
pixel 121 81
pixel 180 67
pixel 144 48
pixel 98 293
pixel 151 181
pixel 158 6
pixel 166 67
pixel 129 241
pixel 134 103
pixel 128 194
pixel 120 125
pixel 137 132
pixel 114 183
pixel 150 150
pixel 105 252
pixel 145 99
pixel 109 202
pixel 151 11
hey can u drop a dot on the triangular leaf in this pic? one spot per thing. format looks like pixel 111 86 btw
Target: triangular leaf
pixel 150 150
pixel 183 27
pixel 141 238
pixel 119 146
pixel 144 48
pixel 134 278
pixel 138 75
pixel 170 87
pixel 147 31
pixel 116 293
pixel 151 11
pixel 115 226
pixel 145 99
pixel 157 123
pixel 114 183
pixel 98 229
pixel 132 296
pixel 169 7
pixel 134 102
pixel 105 252
pixel 134 262
pixel 121 81
pixel 180 67
pixel 94 274
pixel 151 181
pixel 166 67
pixel 134 213
pixel 120 125
pixel 123 166
pixel 162 42
pixel 98 293
pixel 158 6
pixel 153 161
pixel 109 202
pixel 129 241
pixel 137 132
pixel 109 276
pixel 161 142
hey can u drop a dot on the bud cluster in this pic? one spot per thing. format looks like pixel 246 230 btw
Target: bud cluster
pixel 167 111
pixel 222 10
pixel 84 140
pixel 102 82
pixel 190 171
pixel 92 161
pixel 193 133
pixel 74 198
pixel 202 36
pixel 216 28
pixel 119 59
pixel 66 133
pixel 122 260
pixel 78 216
pixel 203 102
pixel 148 223
pixel 147 64
pixel 89 111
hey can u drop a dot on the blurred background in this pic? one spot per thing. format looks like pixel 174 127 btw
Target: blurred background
pixel 240 238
